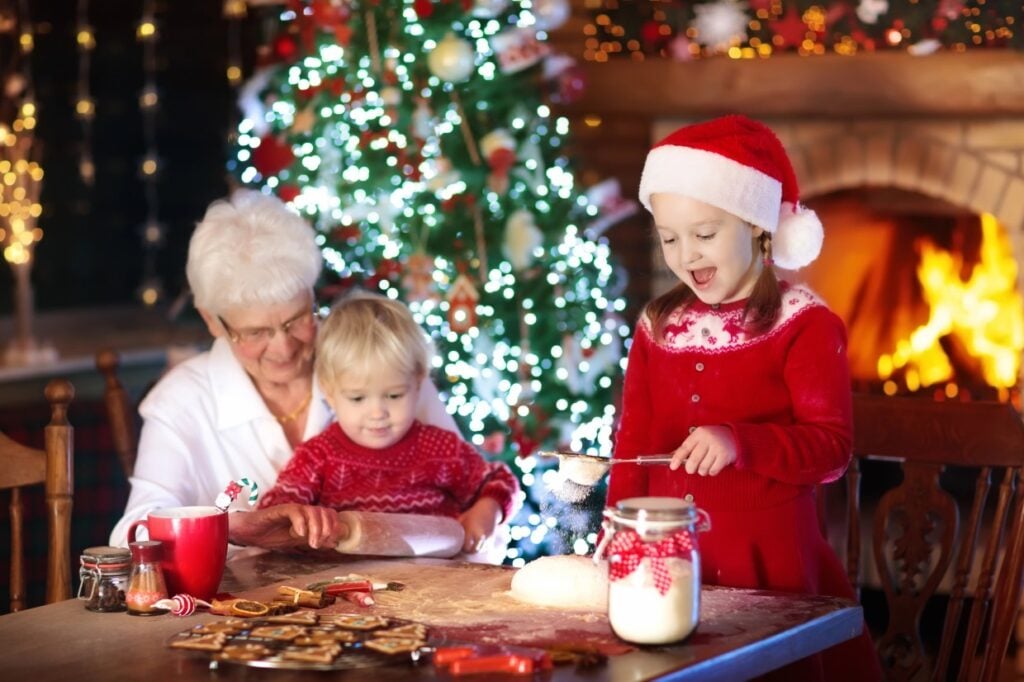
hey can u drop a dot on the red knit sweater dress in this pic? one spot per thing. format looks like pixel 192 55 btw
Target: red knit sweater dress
pixel 429 471
pixel 785 395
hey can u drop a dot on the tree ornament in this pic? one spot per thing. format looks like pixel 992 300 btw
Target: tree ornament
pixel 868 11
pixel 452 60
pixel 419 277
pixel 424 8
pixel 440 174
pixel 499 151
pixel 462 300
pixel 522 237
pixel 488 9
pixel 518 49
pixel 272 156
pixel 303 121
pixel 720 24
pixel 584 365
pixel 551 14
pixel 790 29
pixel 612 206
pixel 679 48
pixel 285 47
pixel 422 120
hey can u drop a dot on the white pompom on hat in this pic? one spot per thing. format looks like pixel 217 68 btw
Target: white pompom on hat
pixel 738 165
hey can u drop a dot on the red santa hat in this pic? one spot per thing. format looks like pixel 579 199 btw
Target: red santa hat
pixel 738 165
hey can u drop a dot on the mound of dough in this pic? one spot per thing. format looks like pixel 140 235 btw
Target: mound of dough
pixel 568 582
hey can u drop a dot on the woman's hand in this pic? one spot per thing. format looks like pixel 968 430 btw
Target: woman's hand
pixel 479 522
pixel 287 526
pixel 706 451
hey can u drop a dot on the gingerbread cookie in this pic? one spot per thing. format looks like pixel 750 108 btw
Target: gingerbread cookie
pixel 313 654
pixel 394 645
pixel 320 637
pixel 283 633
pixel 354 622
pixel 230 625
pixel 243 652
pixel 208 642
pixel 409 631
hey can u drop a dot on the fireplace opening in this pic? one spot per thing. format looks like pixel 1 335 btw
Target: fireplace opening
pixel 928 291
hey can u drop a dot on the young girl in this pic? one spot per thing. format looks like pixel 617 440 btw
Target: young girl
pixel 741 377
pixel 371 358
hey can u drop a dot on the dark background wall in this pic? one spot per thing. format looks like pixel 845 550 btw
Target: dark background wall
pixel 91 252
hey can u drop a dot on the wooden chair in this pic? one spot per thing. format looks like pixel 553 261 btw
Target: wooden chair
pixel 917 536
pixel 120 411
pixel 53 466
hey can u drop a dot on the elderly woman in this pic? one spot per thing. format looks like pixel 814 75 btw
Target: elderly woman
pixel 239 409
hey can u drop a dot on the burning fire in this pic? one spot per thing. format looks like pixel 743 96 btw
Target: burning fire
pixel 985 314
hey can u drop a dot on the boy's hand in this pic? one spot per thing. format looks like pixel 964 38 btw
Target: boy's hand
pixel 287 526
pixel 706 451
pixel 479 522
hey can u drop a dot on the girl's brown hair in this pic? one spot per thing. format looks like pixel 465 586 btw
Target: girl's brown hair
pixel 762 307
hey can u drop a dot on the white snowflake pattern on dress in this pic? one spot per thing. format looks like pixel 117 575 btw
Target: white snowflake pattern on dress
pixel 718 331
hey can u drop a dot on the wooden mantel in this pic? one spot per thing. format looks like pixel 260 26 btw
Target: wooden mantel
pixel 979 83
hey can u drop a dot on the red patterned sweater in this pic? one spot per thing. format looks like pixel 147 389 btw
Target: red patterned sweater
pixel 784 394
pixel 429 471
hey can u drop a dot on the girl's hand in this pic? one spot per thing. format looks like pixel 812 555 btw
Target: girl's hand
pixel 479 522
pixel 287 526
pixel 706 451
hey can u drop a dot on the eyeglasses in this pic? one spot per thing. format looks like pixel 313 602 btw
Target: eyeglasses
pixel 250 338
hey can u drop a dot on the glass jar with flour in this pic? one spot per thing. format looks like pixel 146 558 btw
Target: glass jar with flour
pixel 653 568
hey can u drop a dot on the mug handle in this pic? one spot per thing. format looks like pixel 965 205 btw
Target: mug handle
pixel 134 526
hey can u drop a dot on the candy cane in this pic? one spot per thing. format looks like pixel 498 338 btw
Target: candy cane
pixel 181 604
pixel 230 493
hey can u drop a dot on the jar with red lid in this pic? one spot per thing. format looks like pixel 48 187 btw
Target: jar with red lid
pixel 653 568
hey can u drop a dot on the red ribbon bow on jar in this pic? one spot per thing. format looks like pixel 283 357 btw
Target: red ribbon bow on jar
pixel 627 550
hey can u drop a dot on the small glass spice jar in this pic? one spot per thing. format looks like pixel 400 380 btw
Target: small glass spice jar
pixel 653 568
pixel 103 578
pixel 146 586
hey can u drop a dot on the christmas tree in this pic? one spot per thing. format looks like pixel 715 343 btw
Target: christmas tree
pixel 417 136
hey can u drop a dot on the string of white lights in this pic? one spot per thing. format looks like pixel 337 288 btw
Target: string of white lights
pixel 151 289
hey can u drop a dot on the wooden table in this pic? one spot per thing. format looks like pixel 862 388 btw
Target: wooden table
pixel 742 633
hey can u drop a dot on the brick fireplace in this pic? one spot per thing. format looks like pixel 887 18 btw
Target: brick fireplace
pixel 946 129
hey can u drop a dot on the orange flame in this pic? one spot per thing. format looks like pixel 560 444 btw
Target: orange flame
pixel 985 313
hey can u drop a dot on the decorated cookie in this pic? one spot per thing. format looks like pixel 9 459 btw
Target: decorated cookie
pixel 243 652
pixel 320 637
pixel 229 626
pixel 208 642
pixel 410 631
pixel 313 654
pixel 354 622
pixel 284 633
pixel 394 645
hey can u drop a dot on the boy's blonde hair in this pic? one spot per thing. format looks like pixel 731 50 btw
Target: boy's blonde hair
pixel 365 331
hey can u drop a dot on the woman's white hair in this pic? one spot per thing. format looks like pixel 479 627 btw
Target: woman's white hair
pixel 248 250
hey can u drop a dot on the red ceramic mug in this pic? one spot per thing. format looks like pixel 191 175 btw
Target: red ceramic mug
pixel 195 546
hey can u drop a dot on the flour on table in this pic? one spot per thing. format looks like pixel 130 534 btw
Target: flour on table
pixel 569 582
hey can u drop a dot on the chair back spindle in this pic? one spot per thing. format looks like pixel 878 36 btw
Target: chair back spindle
pixel 920 548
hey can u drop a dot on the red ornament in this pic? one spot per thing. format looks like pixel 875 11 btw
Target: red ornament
pixel 572 82
pixel 791 29
pixel 272 156
pixel 285 47
pixel 346 233
pixel 462 299
pixel 424 8
pixel 288 192
pixel 650 32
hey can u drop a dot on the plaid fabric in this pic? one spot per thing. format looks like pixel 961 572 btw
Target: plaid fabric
pixel 101 491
